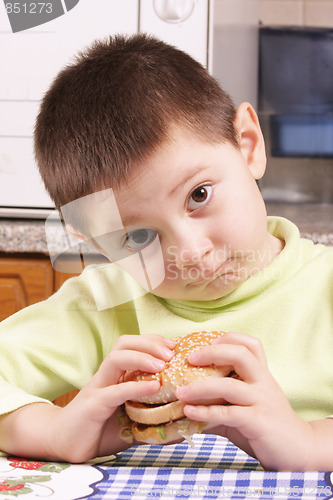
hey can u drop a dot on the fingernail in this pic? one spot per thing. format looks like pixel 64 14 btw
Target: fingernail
pixel 158 364
pixel 194 356
pixel 168 354
pixel 153 383
pixel 181 391
pixel 216 341
pixel 190 410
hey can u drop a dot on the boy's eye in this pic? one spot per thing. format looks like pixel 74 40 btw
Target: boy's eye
pixel 199 196
pixel 140 238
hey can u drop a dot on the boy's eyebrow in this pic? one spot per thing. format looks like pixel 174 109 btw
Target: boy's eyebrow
pixel 186 178
pixel 131 220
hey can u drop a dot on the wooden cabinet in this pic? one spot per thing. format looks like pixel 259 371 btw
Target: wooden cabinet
pixel 27 279
pixel 66 398
pixel 24 281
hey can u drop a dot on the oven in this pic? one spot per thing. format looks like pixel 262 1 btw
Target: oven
pixel 296 113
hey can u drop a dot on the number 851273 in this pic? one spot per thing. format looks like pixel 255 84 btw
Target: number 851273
pixel 28 7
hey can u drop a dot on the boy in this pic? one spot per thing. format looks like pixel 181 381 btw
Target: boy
pixel 141 125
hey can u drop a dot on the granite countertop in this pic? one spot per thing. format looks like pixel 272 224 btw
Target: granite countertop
pixel 30 236
pixel 315 221
pixel 21 235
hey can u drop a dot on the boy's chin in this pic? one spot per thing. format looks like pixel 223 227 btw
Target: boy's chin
pixel 204 291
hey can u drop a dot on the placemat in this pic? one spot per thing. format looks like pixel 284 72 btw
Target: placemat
pixel 214 469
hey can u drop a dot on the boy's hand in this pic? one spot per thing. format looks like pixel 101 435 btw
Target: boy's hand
pixel 257 416
pixel 86 427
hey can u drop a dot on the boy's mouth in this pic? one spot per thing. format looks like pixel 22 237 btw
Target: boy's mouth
pixel 207 275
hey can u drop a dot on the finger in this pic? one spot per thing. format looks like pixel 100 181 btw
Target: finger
pixel 230 416
pixel 100 404
pixel 117 362
pixel 252 343
pixel 117 395
pixel 242 360
pixel 156 345
pixel 211 391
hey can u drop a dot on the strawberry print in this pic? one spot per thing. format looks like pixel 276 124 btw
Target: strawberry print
pixel 20 463
pixel 14 488
pixel 6 487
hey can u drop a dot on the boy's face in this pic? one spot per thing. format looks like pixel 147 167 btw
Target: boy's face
pixel 202 202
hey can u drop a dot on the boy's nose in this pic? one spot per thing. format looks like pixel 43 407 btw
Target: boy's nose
pixel 191 250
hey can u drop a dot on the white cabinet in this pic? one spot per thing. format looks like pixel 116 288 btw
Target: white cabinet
pixel 182 23
pixel 30 59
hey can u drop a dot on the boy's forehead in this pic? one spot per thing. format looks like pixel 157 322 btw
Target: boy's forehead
pixel 175 162
pixel 162 188
pixel 175 165
pixel 99 210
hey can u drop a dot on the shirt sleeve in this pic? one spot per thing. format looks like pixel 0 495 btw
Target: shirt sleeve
pixel 52 347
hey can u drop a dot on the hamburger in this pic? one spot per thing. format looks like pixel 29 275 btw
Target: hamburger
pixel 160 418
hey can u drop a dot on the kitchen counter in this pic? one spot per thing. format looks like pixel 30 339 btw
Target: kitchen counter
pixel 23 236
pixel 29 236
pixel 315 221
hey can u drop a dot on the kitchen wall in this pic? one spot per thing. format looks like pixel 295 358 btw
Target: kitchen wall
pixel 235 27
pixel 289 179
pixel 276 12
pixel 296 12
pixel 302 178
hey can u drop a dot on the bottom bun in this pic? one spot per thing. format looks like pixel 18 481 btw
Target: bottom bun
pixel 154 415
pixel 168 433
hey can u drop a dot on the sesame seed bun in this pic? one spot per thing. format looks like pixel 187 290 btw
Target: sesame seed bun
pixel 159 418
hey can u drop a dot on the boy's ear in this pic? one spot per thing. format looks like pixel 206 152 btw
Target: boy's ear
pixel 251 140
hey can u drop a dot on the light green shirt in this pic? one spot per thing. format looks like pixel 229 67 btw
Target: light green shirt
pixel 52 347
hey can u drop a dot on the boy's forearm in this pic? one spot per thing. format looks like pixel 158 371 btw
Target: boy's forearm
pixel 23 432
pixel 322 445
pixel 26 432
pixel 318 447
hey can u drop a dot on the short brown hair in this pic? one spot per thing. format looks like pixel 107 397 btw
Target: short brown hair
pixel 109 110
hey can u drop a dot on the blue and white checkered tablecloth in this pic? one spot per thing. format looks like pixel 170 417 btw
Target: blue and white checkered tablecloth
pixel 213 469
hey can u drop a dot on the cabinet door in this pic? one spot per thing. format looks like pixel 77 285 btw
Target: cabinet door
pixel 183 24
pixel 23 281
pixel 60 278
pixel 65 399
pixel 65 265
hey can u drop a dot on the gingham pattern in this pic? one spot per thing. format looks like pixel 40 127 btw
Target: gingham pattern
pixel 209 451
pixel 213 469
